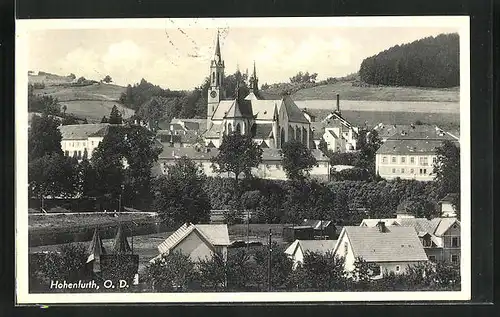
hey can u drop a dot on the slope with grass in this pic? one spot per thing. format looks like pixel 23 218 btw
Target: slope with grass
pixel 349 90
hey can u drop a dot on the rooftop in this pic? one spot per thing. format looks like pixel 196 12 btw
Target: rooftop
pixel 397 244
pixel 83 131
pixel 409 147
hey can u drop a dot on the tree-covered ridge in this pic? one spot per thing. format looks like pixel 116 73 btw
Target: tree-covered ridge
pixel 428 62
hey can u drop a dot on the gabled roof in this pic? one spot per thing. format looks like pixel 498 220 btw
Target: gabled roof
pixel 121 244
pixel 448 197
pixel 317 246
pixel 435 227
pixel 444 225
pixel 172 153
pixel 216 235
pixel 83 131
pixel 222 109
pixel 264 109
pixel 409 147
pixel 316 224
pixel 214 131
pixel 263 130
pixel 264 145
pixel 397 244
pixel 293 112
pixel 96 248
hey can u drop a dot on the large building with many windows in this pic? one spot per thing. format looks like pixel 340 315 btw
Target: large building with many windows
pixel 409 152
pixel 81 140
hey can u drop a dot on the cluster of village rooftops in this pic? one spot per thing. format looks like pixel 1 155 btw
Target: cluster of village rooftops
pixel 408 151
pixel 389 245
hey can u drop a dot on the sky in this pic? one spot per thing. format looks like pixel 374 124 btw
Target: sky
pixel 179 57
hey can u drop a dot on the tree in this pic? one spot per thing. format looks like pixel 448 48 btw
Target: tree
pixel 213 271
pixel 323 272
pixel 447 168
pixel 44 137
pixel 237 154
pixel 115 117
pixel 86 179
pixel 52 175
pixel 107 79
pixel 68 120
pixel 64 108
pixel 297 160
pixel 179 196
pixel 281 266
pixel 72 76
pixel 171 272
pixel 67 264
pixel 81 80
pixel 104 120
pixel 368 143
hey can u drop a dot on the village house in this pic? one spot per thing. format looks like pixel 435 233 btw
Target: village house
pixel 387 249
pixel 299 248
pixel 270 168
pixel 199 242
pixel 409 152
pixel 440 237
pixel 80 140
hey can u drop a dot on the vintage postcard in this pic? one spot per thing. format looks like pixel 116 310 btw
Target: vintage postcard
pixel 242 160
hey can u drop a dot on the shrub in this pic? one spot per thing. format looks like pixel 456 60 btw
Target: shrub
pixel 171 272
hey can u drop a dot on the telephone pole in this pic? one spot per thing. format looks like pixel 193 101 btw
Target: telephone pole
pixel 269 262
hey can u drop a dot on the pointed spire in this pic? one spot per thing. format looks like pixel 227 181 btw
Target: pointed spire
pixel 96 248
pixel 254 71
pixel 217 55
pixel 121 243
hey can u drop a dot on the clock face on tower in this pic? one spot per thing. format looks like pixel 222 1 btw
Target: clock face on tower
pixel 213 94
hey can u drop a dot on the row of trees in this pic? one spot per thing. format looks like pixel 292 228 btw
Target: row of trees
pixel 429 62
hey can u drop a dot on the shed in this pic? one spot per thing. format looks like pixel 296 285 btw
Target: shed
pixel 291 234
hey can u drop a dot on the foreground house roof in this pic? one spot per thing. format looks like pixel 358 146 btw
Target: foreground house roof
pixel 396 244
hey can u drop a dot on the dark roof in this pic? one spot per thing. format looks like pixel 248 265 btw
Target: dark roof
pixel 293 112
pixel 409 147
pixel 264 145
pixel 170 153
pixel 449 197
pixel 240 108
pixel 186 137
pixel 192 125
pixel 176 126
pixel 83 131
pixel 420 132
pixel 263 130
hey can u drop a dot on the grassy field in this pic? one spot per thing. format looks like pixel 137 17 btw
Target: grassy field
pixel 91 102
pixel 349 92
pixel 94 110
pixel 447 121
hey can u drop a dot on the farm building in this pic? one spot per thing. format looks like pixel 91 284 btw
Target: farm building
pixel 291 234
pixel 322 228
pixel 198 241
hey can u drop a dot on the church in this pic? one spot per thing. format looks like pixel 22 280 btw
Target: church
pixel 270 122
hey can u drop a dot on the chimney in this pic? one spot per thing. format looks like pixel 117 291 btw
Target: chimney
pixel 338 103
pixel 381 227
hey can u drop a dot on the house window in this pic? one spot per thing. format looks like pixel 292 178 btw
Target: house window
pixel 384 159
pixel 427 243
pixel 432 258
pixel 346 248
pixel 425 171
pixel 434 159
pixel 398 268
pixel 403 159
pixel 402 171
pixel 412 160
pixel 454 258
pixel 412 171
pixel 92 142
pixel 393 171
pixel 455 243
pixel 66 153
pixel 393 159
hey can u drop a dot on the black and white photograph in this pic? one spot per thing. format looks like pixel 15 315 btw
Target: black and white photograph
pixel 242 159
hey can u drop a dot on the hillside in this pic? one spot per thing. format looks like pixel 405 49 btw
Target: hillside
pixel 428 62
pixel 351 90
pixel 90 101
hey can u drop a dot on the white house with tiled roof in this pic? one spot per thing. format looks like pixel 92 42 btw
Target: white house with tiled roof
pixel 271 122
pixel 199 242
pixel 409 152
pixel 78 139
pixel 388 249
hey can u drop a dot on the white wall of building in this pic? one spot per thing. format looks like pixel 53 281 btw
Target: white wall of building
pixel 70 147
pixel 418 167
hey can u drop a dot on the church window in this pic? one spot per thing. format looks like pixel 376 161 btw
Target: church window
pixel 218 79
pixel 238 128
pixel 213 78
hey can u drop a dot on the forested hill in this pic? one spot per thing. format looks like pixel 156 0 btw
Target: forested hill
pixel 429 62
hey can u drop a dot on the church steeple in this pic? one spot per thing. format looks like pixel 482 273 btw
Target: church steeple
pixel 215 92
pixel 217 55
pixel 254 81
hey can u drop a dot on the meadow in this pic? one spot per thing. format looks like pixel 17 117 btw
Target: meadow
pixel 348 91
